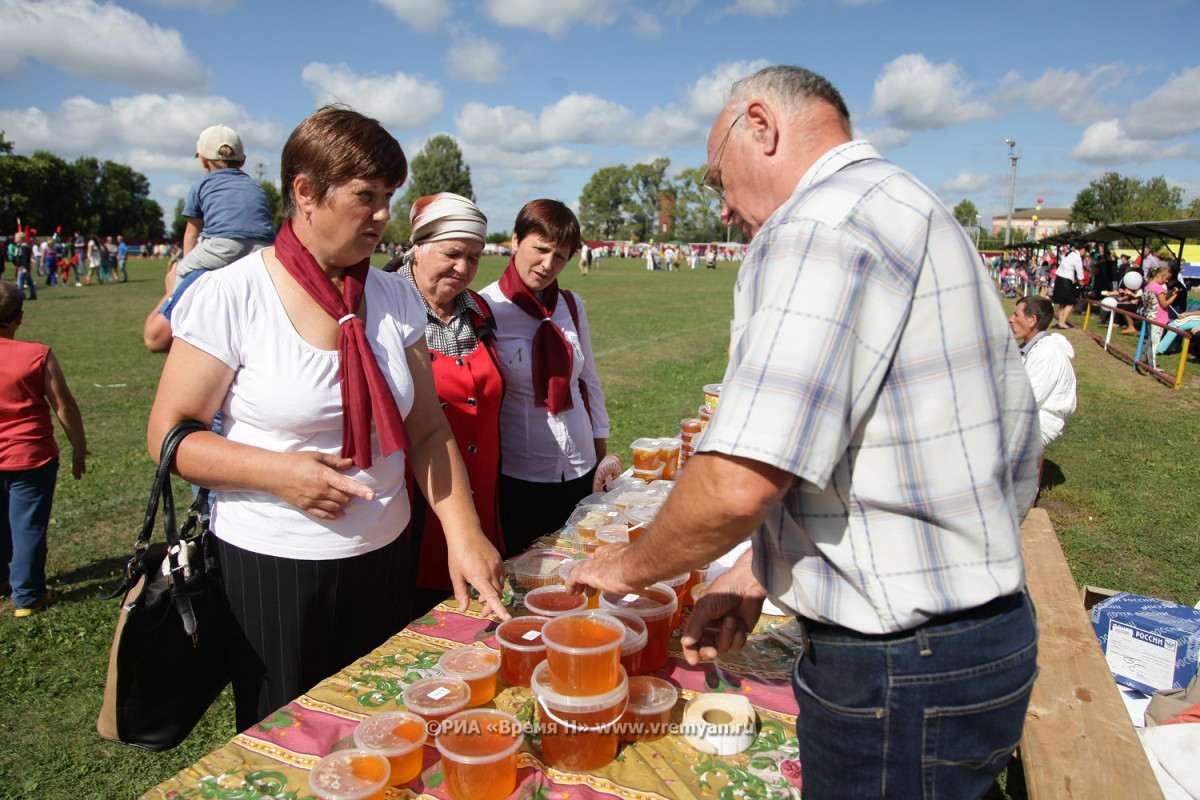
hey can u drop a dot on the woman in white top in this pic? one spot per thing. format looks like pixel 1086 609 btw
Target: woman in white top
pixel 319 368
pixel 553 424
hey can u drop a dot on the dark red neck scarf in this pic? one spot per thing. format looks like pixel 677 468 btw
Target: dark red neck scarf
pixel 365 392
pixel 551 356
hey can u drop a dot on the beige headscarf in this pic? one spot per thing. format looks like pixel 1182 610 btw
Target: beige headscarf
pixel 446 215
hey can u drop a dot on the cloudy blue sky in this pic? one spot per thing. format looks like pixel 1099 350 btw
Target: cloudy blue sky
pixel 541 93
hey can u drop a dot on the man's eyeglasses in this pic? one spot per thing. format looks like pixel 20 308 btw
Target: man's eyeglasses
pixel 713 189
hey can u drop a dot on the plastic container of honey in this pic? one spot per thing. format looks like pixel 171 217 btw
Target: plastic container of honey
pixel 399 737
pixel 578 734
pixel 539 567
pixel 649 475
pixel 634 642
pixel 521 648
pixel 551 601
pixel 583 651
pixel 656 606
pixel 648 713
pixel 645 453
pixel 680 584
pixel 350 775
pixel 712 396
pixel 479 753
pixel 475 666
pixel 585 519
pixel 437 697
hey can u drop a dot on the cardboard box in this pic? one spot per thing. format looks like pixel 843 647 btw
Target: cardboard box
pixel 1149 644
pixel 1090 595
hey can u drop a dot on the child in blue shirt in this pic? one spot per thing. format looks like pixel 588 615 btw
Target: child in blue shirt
pixel 228 215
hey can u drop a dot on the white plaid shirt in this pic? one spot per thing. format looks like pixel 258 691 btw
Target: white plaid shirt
pixel 455 338
pixel 870 357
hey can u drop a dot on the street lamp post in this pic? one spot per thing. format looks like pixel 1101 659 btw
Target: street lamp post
pixel 1012 187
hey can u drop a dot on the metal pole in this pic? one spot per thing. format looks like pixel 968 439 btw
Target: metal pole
pixel 1012 188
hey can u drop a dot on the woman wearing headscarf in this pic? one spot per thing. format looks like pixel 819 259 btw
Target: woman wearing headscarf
pixel 553 416
pixel 448 233
pixel 318 365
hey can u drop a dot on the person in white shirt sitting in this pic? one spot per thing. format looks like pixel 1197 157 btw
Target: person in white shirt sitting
pixel 1047 358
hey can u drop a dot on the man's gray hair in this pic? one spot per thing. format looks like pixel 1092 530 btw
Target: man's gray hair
pixel 792 86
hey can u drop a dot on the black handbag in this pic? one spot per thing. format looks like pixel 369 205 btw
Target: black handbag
pixel 167 662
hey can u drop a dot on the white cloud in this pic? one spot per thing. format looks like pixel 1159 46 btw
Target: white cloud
pixel 100 42
pixel 646 24
pixel 706 97
pixel 967 182
pixel 166 126
pixel 1073 95
pixel 552 17
pixel 475 59
pixel 585 118
pixel 399 101
pixel 761 8
pixel 210 6
pixel 1172 110
pixel 1107 143
pixel 914 94
pixel 507 128
pixel 885 138
pixel 667 127
pixel 537 167
pixel 424 15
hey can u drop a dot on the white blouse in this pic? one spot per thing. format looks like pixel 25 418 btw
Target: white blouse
pixel 286 397
pixel 535 445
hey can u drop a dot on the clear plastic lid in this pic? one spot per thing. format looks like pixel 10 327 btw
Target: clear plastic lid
pixel 552 601
pixel 539 567
pixel 436 696
pixel 654 602
pixel 645 444
pixel 349 775
pixel 469 663
pixel 592 517
pixel 391 733
pixel 612 534
pixel 543 690
pixel 651 695
pixel 460 736
pixel 522 633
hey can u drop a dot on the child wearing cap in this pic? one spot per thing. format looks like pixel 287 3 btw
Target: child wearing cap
pixel 228 214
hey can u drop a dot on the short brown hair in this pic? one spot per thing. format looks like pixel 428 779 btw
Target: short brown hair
pixel 11 300
pixel 1038 307
pixel 335 144
pixel 552 221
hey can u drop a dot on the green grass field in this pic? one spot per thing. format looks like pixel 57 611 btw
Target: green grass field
pixel 1120 487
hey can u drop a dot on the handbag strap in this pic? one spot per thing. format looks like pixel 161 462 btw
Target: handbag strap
pixel 160 489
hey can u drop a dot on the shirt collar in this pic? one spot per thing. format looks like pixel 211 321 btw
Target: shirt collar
pixel 1025 348
pixel 463 303
pixel 836 160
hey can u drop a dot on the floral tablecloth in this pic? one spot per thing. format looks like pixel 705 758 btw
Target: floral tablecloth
pixel 272 759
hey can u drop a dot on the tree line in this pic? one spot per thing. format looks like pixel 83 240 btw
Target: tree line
pixel 87 195
pixel 1110 199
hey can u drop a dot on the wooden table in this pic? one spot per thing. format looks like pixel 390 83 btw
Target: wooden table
pixel 1078 740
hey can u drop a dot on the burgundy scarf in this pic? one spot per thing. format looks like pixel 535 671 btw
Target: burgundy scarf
pixel 552 357
pixel 365 392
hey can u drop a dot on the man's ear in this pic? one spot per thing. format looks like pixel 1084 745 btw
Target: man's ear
pixel 763 123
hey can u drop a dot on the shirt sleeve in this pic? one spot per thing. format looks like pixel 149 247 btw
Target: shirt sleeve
pixel 596 404
pixel 191 205
pixel 807 364
pixel 207 317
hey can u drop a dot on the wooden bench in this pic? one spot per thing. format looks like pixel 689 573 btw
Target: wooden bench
pixel 1078 739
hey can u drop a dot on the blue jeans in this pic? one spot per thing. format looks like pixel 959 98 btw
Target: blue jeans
pixel 25 284
pixel 26 496
pixel 934 712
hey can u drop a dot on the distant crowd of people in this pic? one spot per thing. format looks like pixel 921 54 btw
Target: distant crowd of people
pixel 62 261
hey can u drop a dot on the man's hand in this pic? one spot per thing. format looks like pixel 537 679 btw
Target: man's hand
pixel 724 615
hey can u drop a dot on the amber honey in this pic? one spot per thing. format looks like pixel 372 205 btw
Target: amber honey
pixel 583 651
pixel 656 606
pixel 479 754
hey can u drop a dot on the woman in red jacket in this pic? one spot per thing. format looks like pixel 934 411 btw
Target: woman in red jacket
pixel 447 241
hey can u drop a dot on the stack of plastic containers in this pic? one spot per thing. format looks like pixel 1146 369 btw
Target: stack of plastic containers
pixel 581 690
pixel 655 459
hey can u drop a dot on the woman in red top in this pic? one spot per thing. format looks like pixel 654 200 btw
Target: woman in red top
pixel 448 236
pixel 31 385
